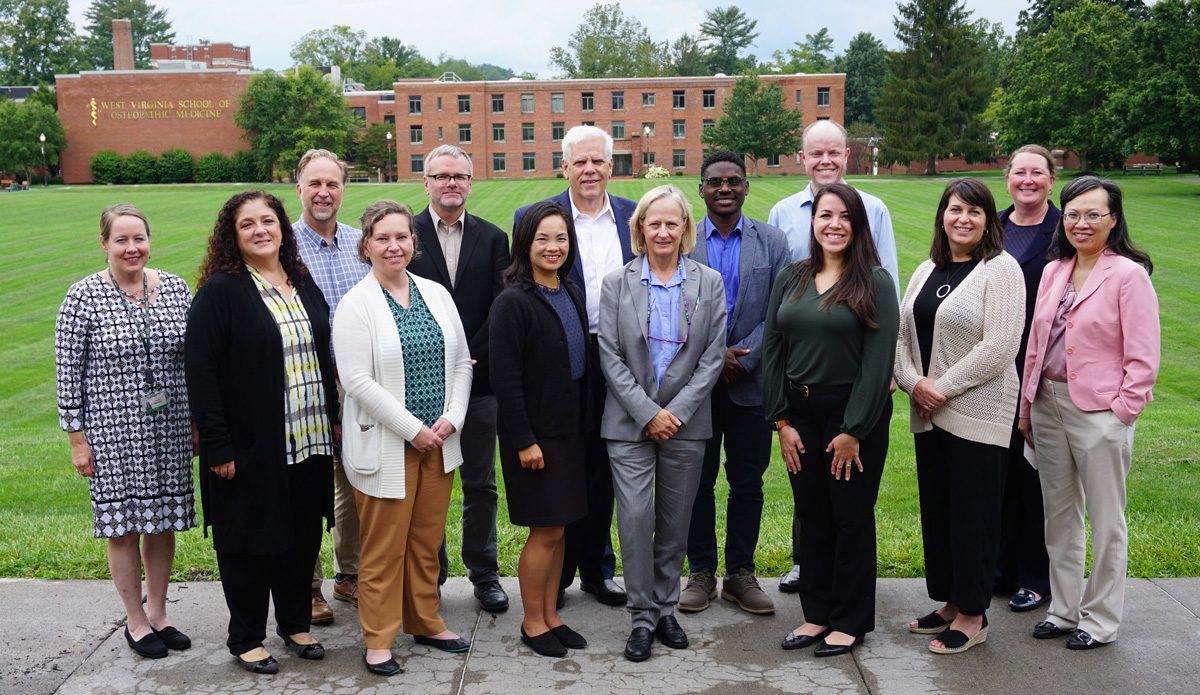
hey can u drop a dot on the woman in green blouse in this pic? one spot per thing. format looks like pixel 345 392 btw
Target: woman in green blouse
pixel 828 353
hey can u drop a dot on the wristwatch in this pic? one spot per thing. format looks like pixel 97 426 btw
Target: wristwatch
pixel 780 424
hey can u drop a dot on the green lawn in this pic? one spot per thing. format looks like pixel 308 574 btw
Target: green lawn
pixel 48 240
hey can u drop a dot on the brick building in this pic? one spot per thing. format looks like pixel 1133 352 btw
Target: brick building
pixel 213 55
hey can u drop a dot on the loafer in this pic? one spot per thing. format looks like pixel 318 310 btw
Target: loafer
pixel 313 650
pixel 491 597
pixel 545 644
pixel 454 646
pixel 931 624
pixel 267 665
pixel 637 647
pixel 322 614
pixel 1081 640
pixel 957 642
pixel 1048 630
pixel 790 582
pixel 794 641
pixel 607 592
pixel 173 639
pixel 568 637
pixel 827 649
pixel 148 647
pixel 1026 600
pixel 385 668
pixel 346 589
pixel 670 634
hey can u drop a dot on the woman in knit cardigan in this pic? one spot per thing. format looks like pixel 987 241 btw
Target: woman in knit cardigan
pixel 960 329
pixel 403 360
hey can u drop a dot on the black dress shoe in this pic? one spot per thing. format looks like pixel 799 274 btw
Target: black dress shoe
pixel 545 644
pixel 491 597
pixel 827 649
pixel 670 634
pixel 568 637
pixel 1026 600
pixel 1082 640
pixel 1048 630
pixel 790 582
pixel 384 668
pixel 454 646
pixel 637 647
pixel 148 647
pixel 607 592
pixel 174 639
pixel 794 641
pixel 267 665
pixel 313 650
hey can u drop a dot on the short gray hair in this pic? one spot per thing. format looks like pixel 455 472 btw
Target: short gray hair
pixel 449 151
pixel 326 154
pixel 580 133
pixel 826 121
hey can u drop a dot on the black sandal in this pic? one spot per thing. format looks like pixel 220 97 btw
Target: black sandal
pixel 929 624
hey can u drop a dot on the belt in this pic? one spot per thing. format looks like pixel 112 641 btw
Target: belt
pixel 807 390
pixel 593 339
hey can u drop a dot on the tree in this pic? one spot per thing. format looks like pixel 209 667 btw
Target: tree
pixel 607 43
pixel 865 65
pixel 371 150
pixel 20 128
pixel 810 56
pixel 381 49
pixel 1042 14
pixel 998 49
pixel 1061 83
pixel 727 30
pixel 286 114
pixel 932 102
pixel 44 95
pixel 338 45
pixel 37 41
pixel 148 23
pixel 686 57
pixel 755 120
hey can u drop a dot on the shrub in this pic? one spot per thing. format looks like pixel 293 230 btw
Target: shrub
pixel 212 168
pixel 175 166
pixel 107 166
pixel 244 167
pixel 140 167
pixel 657 173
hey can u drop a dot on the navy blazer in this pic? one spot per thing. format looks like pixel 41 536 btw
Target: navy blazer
pixel 1033 261
pixel 764 254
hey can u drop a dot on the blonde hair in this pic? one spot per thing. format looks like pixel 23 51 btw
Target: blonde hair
pixel 112 212
pixel 637 239
pixel 326 154
pixel 373 214
pixel 1033 149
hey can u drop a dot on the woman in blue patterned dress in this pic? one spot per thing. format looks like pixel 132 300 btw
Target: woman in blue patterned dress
pixel 118 351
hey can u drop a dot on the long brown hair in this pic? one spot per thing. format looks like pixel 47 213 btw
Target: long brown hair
pixel 223 253
pixel 855 287
pixel 972 192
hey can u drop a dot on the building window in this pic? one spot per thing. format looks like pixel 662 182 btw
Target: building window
pixel 587 123
pixel 527 161
pixel 418 163
pixel 464 103
pixel 618 130
pixel 389 119
pixel 797 96
pixel 556 161
pixel 679 159
pixel 647 159
pixel 497 132
pixel 360 114
pixel 415 135
pixel 822 96
pixel 414 106
pixel 497 104
pixel 464 132
pixel 498 163
pixel 773 160
pixel 439 133
pixel 439 104
pixel 618 101
pixel 526 103
pixel 677 99
pixel 822 118
pixel 678 129
pixel 648 130
pixel 526 132
pixel 647 99
pixel 709 123
pixel 710 99
pixel 557 130
pixel 557 104
pixel 587 101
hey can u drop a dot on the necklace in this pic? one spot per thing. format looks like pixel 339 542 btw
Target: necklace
pixel 142 299
pixel 945 288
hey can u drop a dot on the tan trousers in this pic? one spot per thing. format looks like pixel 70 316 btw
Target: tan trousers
pixel 345 521
pixel 1083 458
pixel 397 579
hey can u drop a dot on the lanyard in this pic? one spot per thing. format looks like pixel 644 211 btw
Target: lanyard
pixel 134 314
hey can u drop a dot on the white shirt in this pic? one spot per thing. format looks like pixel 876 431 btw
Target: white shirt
pixel 599 254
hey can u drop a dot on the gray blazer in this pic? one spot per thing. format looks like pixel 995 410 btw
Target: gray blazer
pixel 765 253
pixel 633 399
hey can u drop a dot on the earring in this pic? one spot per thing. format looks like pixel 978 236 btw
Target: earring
pixel 987 232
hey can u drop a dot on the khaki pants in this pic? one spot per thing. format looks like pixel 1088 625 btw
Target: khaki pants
pixel 345 521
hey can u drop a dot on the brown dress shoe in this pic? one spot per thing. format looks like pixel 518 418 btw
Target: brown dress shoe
pixel 347 589
pixel 322 614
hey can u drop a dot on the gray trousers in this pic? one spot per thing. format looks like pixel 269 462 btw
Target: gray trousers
pixel 478 477
pixel 655 486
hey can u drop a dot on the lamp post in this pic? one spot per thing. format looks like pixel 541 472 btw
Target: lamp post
pixel 645 145
pixel 45 175
pixel 388 172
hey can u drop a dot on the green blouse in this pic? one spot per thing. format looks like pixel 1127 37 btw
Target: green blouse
pixel 424 356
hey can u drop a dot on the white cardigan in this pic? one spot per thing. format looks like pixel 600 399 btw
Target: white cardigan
pixel 370 359
pixel 976 336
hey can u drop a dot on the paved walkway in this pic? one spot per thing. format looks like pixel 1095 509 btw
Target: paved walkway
pixel 67 637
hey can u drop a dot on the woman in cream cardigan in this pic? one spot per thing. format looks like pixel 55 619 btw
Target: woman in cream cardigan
pixel 960 328
pixel 404 364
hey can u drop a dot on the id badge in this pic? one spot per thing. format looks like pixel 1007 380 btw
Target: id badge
pixel 156 401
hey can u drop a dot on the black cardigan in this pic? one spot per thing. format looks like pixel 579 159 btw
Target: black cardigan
pixel 1033 262
pixel 233 356
pixel 531 367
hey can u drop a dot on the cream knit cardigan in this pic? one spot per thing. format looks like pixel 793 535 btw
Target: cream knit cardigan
pixel 975 340
pixel 370 359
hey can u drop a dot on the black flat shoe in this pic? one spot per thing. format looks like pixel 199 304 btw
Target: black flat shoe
pixel 568 637
pixel 670 634
pixel 607 592
pixel 454 646
pixel 1081 640
pixel 545 644
pixel 637 648
pixel 930 624
pixel 384 668
pixel 827 649
pixel 1026 600
pixel 267 665
pixel 173 639
pixel 794 641
pixel 1048 630
pixel 312 651
pixel 790 582
pixel 148 647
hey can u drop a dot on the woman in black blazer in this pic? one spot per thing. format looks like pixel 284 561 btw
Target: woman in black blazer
pixel 538 347
pixel 262 394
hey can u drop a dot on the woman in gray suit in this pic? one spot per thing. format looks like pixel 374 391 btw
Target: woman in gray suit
pixel 662 345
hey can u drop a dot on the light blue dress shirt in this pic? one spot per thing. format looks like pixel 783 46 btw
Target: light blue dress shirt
pixel 725 257
pixel 665 302
pixel 335 268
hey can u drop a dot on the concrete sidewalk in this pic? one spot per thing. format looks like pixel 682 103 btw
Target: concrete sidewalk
pixel 68 637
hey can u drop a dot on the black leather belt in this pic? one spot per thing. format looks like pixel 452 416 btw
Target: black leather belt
pixel 593 339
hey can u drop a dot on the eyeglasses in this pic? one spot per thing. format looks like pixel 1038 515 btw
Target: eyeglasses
pixel 687 315
pixel 458 178
pixel 717 181
pixel 1092 217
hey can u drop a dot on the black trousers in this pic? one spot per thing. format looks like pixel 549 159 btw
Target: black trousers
pixel 250 581
pixel 961 483
pixel 1022 560
pixel 837 517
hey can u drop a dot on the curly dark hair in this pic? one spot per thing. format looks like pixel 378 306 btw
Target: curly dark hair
pixel 223 253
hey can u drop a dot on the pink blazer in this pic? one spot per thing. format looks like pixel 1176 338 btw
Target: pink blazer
pixel 1112 337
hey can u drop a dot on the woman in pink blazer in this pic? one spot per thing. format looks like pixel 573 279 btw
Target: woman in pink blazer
pixel 1089 369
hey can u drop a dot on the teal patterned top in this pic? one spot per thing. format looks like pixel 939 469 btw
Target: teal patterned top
pixel 424 357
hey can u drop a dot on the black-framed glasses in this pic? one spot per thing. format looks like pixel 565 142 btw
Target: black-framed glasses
pixel 1092 217
pixel 717 181
pixel 458 178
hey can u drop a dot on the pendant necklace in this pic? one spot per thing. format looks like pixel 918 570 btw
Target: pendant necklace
pixel 945 289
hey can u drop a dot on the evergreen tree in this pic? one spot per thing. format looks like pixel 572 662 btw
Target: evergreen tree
pixel 865 65
pixel 728 30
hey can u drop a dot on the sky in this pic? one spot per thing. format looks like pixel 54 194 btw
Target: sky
pixel 518 34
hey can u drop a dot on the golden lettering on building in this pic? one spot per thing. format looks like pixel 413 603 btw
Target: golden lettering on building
pixel 156 109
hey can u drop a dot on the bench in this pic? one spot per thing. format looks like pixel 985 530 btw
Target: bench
pixel 1144 169
pixel 6 184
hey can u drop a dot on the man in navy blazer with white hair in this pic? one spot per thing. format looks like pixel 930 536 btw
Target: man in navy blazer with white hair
pixel 602 234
